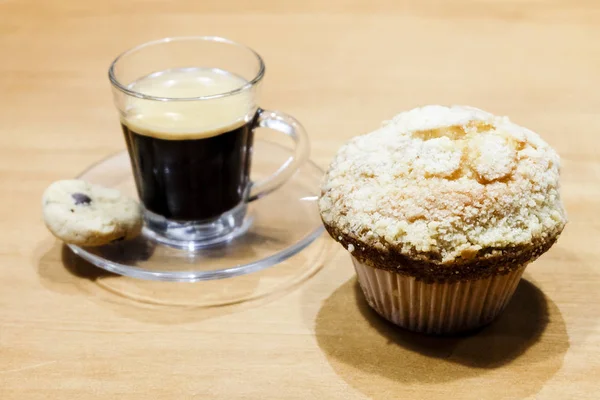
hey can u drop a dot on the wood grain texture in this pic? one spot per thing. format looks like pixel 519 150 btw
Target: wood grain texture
pixel 67 330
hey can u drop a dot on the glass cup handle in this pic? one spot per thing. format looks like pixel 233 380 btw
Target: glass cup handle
pixel 289 126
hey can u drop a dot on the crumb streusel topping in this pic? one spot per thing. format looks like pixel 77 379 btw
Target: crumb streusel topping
pixel 445 182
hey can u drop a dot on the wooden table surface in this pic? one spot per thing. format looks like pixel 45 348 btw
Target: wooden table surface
pixel 299 330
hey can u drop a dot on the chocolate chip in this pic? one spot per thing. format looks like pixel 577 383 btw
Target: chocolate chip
pixel 81 198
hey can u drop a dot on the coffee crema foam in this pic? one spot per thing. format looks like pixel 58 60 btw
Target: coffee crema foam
pixel 188 119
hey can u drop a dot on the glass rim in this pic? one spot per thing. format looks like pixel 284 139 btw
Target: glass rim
pixel 118 85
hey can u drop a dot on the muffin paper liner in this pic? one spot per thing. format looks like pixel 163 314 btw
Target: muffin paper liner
pixel 436 308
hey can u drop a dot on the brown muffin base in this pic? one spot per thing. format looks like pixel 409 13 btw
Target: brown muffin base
pixel 436 308
pixel 427 267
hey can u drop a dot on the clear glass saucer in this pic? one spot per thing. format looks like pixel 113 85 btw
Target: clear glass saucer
pixel 281 224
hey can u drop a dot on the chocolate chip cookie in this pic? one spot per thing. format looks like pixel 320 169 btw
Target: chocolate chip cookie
pixel 86 214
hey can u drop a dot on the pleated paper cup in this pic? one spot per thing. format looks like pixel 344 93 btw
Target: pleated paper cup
pixel 436 308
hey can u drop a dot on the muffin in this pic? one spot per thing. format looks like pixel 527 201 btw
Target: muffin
pixel 441 209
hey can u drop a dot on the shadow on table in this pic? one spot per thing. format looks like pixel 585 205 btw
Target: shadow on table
pixel 377 357
pixel 63 271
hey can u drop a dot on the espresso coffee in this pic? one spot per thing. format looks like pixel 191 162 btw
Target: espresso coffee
pixel 190 158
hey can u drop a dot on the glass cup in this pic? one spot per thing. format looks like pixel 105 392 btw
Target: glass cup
pixel 188 109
